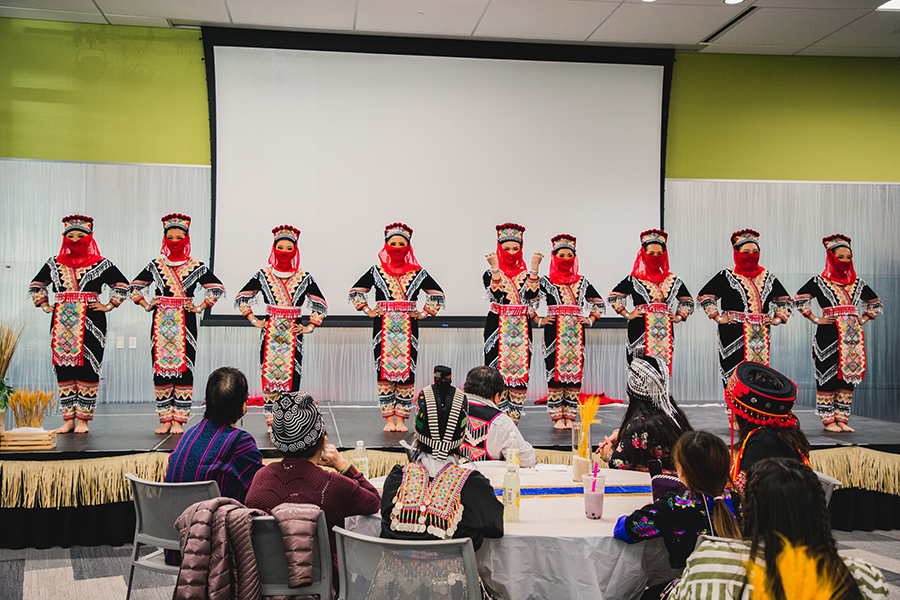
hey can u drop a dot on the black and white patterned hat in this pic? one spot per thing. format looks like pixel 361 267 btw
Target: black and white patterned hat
pixel 648 380
pixel 297 424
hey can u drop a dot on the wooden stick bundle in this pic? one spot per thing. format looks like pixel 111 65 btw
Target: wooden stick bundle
pixel 30 407
pixel 9 340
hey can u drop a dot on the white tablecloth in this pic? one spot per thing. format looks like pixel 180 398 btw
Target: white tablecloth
pixel 554 551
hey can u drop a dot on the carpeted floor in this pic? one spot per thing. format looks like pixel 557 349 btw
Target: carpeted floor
pixel 100 573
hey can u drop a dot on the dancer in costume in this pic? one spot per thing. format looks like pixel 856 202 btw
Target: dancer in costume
pixel 172 279
pixel 659 297
pixel 568 296
pixel 839 348
pixel 78 329
pixel 397 279
pixel 284 288
pixel 513 293
pixel 752 300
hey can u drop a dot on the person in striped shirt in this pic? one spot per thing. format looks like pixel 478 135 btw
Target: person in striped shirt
pixel 783 502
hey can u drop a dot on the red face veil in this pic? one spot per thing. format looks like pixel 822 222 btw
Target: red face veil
pixel 286 261
pixel 80 253
pixel 563 271
pixel 398 261
pixel 177 250
pixel 651 267
pixel 838 271
pixel 510 264
pixel 747 263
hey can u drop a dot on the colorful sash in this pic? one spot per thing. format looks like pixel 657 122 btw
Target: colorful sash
pixel 396 340
pixel 569 343
pixel 851 342
pixel 513 351
pixel 169 336
pixel 658 332
pixel 67 339
pixel 429 506
pixel 279 346
pixel 756 335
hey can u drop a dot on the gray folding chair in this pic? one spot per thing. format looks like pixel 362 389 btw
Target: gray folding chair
pixel 271 562
pixel 374 567
pixel 156 506
pixel 828 485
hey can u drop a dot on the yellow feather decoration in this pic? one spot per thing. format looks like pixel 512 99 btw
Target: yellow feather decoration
pixel 802 577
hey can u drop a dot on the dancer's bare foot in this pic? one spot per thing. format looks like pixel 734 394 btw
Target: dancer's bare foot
pixel 559 424
pixel 164 427
pixel 81 427
pixel 67 427
pixel 389 424
pixel 844 427
pixel 399 425
pixel 176 427
pixel 833 427
pixel 569 423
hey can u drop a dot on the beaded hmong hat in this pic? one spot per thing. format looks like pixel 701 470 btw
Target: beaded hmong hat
pixel 510 232
pixel 78 223
pixel 654 236
pixel 563 240
pixel 838 240
pixel 177 220
pixel 441 415
pixel 744 236
pixel 648 380
pixel 759 402
pixel 400 229
pixel 286 232
pixel 297 424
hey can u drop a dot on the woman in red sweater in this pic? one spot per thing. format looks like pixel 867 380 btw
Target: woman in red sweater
pixel 298 431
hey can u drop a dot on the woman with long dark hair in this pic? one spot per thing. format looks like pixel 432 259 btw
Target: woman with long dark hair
pixel 652 421
pixel 783 503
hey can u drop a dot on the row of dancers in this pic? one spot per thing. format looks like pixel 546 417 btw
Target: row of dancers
pixel 745 300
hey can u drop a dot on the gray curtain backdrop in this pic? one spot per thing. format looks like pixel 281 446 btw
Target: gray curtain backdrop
pixel 128 200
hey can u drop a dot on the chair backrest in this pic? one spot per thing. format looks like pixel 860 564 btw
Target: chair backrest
pixel 157 505
pixel 828 485
pixel 375 567
pixel 271 561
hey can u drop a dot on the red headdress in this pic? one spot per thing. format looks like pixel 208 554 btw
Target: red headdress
pixel 286 262
pixel 838 271
pixel 649 267
pixel 563 271
pixel 510 264
pixel 81 253
pixel 746 263
pixel 398 261
pixel 180 250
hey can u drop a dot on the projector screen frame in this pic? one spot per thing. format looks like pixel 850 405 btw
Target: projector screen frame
pixel 417 46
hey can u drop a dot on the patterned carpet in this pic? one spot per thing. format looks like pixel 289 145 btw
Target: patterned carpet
pixel 100 573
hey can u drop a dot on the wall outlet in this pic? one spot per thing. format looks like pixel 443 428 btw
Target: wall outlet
pixel 132 342
pixel 120 342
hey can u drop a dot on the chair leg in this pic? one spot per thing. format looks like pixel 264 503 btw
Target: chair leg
pixel 134 556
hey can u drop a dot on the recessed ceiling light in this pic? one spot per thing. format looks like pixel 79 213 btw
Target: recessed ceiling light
pixel 733 1
pixel 649 0
pixel 891 5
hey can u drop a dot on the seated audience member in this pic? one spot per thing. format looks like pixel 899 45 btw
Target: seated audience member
pixel 463 503
pixel 702 461
pixel 298 431
pixel 214 449
pixel 488 429
pixel 652 422
pixel 783 503
pixel 760 401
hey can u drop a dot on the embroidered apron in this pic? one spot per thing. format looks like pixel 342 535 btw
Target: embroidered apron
pixel 513 351
pixel 851 342
pixel 569 357
pixel 396 340
pixel 658 331
pixel 279 347
pixel 67 339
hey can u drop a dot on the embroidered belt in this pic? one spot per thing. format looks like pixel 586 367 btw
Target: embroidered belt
pixel 284 312
pixel 743 317
pixel 656 307
pixel 840 311
pixel 397 306
pixel 67 334
pixel 509 310
pixel 173 301
pixel 564 309
pixel 85 297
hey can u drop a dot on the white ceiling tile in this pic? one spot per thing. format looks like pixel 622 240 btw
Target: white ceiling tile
pixel 313 14
pixel 664 23
pixel 436 17
pixel 750 49
pixel 878 29
pixel 137 21
pixel 844 51
pixel 821 4
pixel 543 19
pixel 743 5
pixel 51 15
pixel 212 11
pixel 788 26
pixel 83 6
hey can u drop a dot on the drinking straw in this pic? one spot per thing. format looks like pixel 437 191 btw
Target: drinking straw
pixel 594 482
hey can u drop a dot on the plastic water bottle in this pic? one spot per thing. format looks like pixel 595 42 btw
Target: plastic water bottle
pixel 361 458
pixel 512 450
pixel 511 490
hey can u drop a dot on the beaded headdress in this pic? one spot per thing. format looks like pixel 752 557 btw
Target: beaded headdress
pixel 400 229
pixel 297 424
pixel 563 240
pixel 744 236
pixel 176 220
pixel 510 232
pixel 286 232
pixel 761 405
pixel 78 223
pixel 654 236
pixel 648 380
pixel 838 240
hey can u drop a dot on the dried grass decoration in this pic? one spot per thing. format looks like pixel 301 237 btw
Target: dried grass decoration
pixel 30 407
pixel 9 340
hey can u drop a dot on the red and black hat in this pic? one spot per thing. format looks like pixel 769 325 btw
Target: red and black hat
pixel 510 232
pixel 176 220
pixel 78 223
pixel 761 395
pixel 563 241
pixel 654 236
pixel 744 236
pixel 838 240
pixel 401 229
pixel 286 232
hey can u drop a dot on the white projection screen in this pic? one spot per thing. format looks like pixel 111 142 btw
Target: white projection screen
pixel 341 143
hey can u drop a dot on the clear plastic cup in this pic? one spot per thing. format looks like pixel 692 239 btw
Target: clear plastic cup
pixel 594 488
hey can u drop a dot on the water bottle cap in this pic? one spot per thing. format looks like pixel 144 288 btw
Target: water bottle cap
pixel 360 443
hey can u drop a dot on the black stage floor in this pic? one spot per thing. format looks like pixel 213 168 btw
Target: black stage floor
pixel 128 428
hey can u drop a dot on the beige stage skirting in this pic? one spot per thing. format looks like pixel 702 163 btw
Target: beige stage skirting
pixel 95 481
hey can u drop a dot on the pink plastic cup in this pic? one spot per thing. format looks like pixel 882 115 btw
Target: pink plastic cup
pixel 594 488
